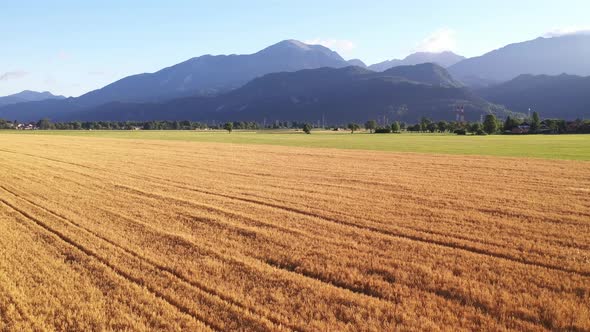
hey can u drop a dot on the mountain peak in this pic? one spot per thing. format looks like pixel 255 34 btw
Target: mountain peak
pixel 291 49
pixel 292 45
pixel 31 95
pixel 357 62
pixel 26 93
pixel 431 53
pixel 295 43
pixel 27 96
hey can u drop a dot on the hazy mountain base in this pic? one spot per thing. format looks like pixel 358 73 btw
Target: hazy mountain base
pixel 563 96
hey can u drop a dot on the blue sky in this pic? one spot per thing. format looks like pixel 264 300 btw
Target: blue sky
pixel 71 47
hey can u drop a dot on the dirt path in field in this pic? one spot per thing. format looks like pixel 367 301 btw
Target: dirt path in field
pixel 159 235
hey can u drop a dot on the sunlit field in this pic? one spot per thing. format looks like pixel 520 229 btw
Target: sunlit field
pixel 573 147
pixel 183 233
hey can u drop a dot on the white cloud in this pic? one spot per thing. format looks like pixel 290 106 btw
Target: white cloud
pixel 11 75
pixel 567 31
pixel 338 45
pixel 439 41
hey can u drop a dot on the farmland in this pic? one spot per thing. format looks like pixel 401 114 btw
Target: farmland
pixel 572 147
pixel 145 233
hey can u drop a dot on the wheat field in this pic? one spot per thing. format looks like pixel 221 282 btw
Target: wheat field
pixel 142 235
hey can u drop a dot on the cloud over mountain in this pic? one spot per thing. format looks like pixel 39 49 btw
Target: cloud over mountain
pixel 11 75
pixel 567 31
pixel 338 45
pixel 439 41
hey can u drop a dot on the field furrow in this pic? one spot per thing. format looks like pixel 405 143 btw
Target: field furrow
pixel 196 236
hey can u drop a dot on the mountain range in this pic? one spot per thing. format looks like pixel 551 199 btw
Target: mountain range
pixel 568 54
pixel 27 96
pixel 342 94
pixel 215 87
pixel 444 59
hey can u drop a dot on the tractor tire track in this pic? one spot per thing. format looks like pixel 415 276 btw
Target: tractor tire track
pixel 163 268
pixel 126 276
pixel 395 234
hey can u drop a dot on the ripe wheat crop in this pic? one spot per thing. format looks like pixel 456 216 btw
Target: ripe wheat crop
pixel 108 234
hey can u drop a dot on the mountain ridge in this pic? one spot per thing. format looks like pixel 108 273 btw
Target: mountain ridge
pixel 211 74
pixel 550 56
pixel 444 59
pixel 27 96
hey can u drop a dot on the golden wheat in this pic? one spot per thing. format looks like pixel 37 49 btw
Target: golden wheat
pixel 112 234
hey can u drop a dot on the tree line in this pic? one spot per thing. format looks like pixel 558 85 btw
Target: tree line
pixel 46 124
pixel 490 125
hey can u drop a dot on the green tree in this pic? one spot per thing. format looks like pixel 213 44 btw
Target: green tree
pixel 395 127
pixel 186 125
pixel 553 125
pixel 442 126
pixel 371 125
pixel 44 124
pixel 460 131
pixel 307 128
pixel 508 124
pixel 490 125
pixel 474 127
pixel 431 127
pixel 511 123
pixel 229 126
pixel 452 126
pixel 416 127
pixel 535 122
pixel 353 127
pixel 424 122
pixel 146 126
